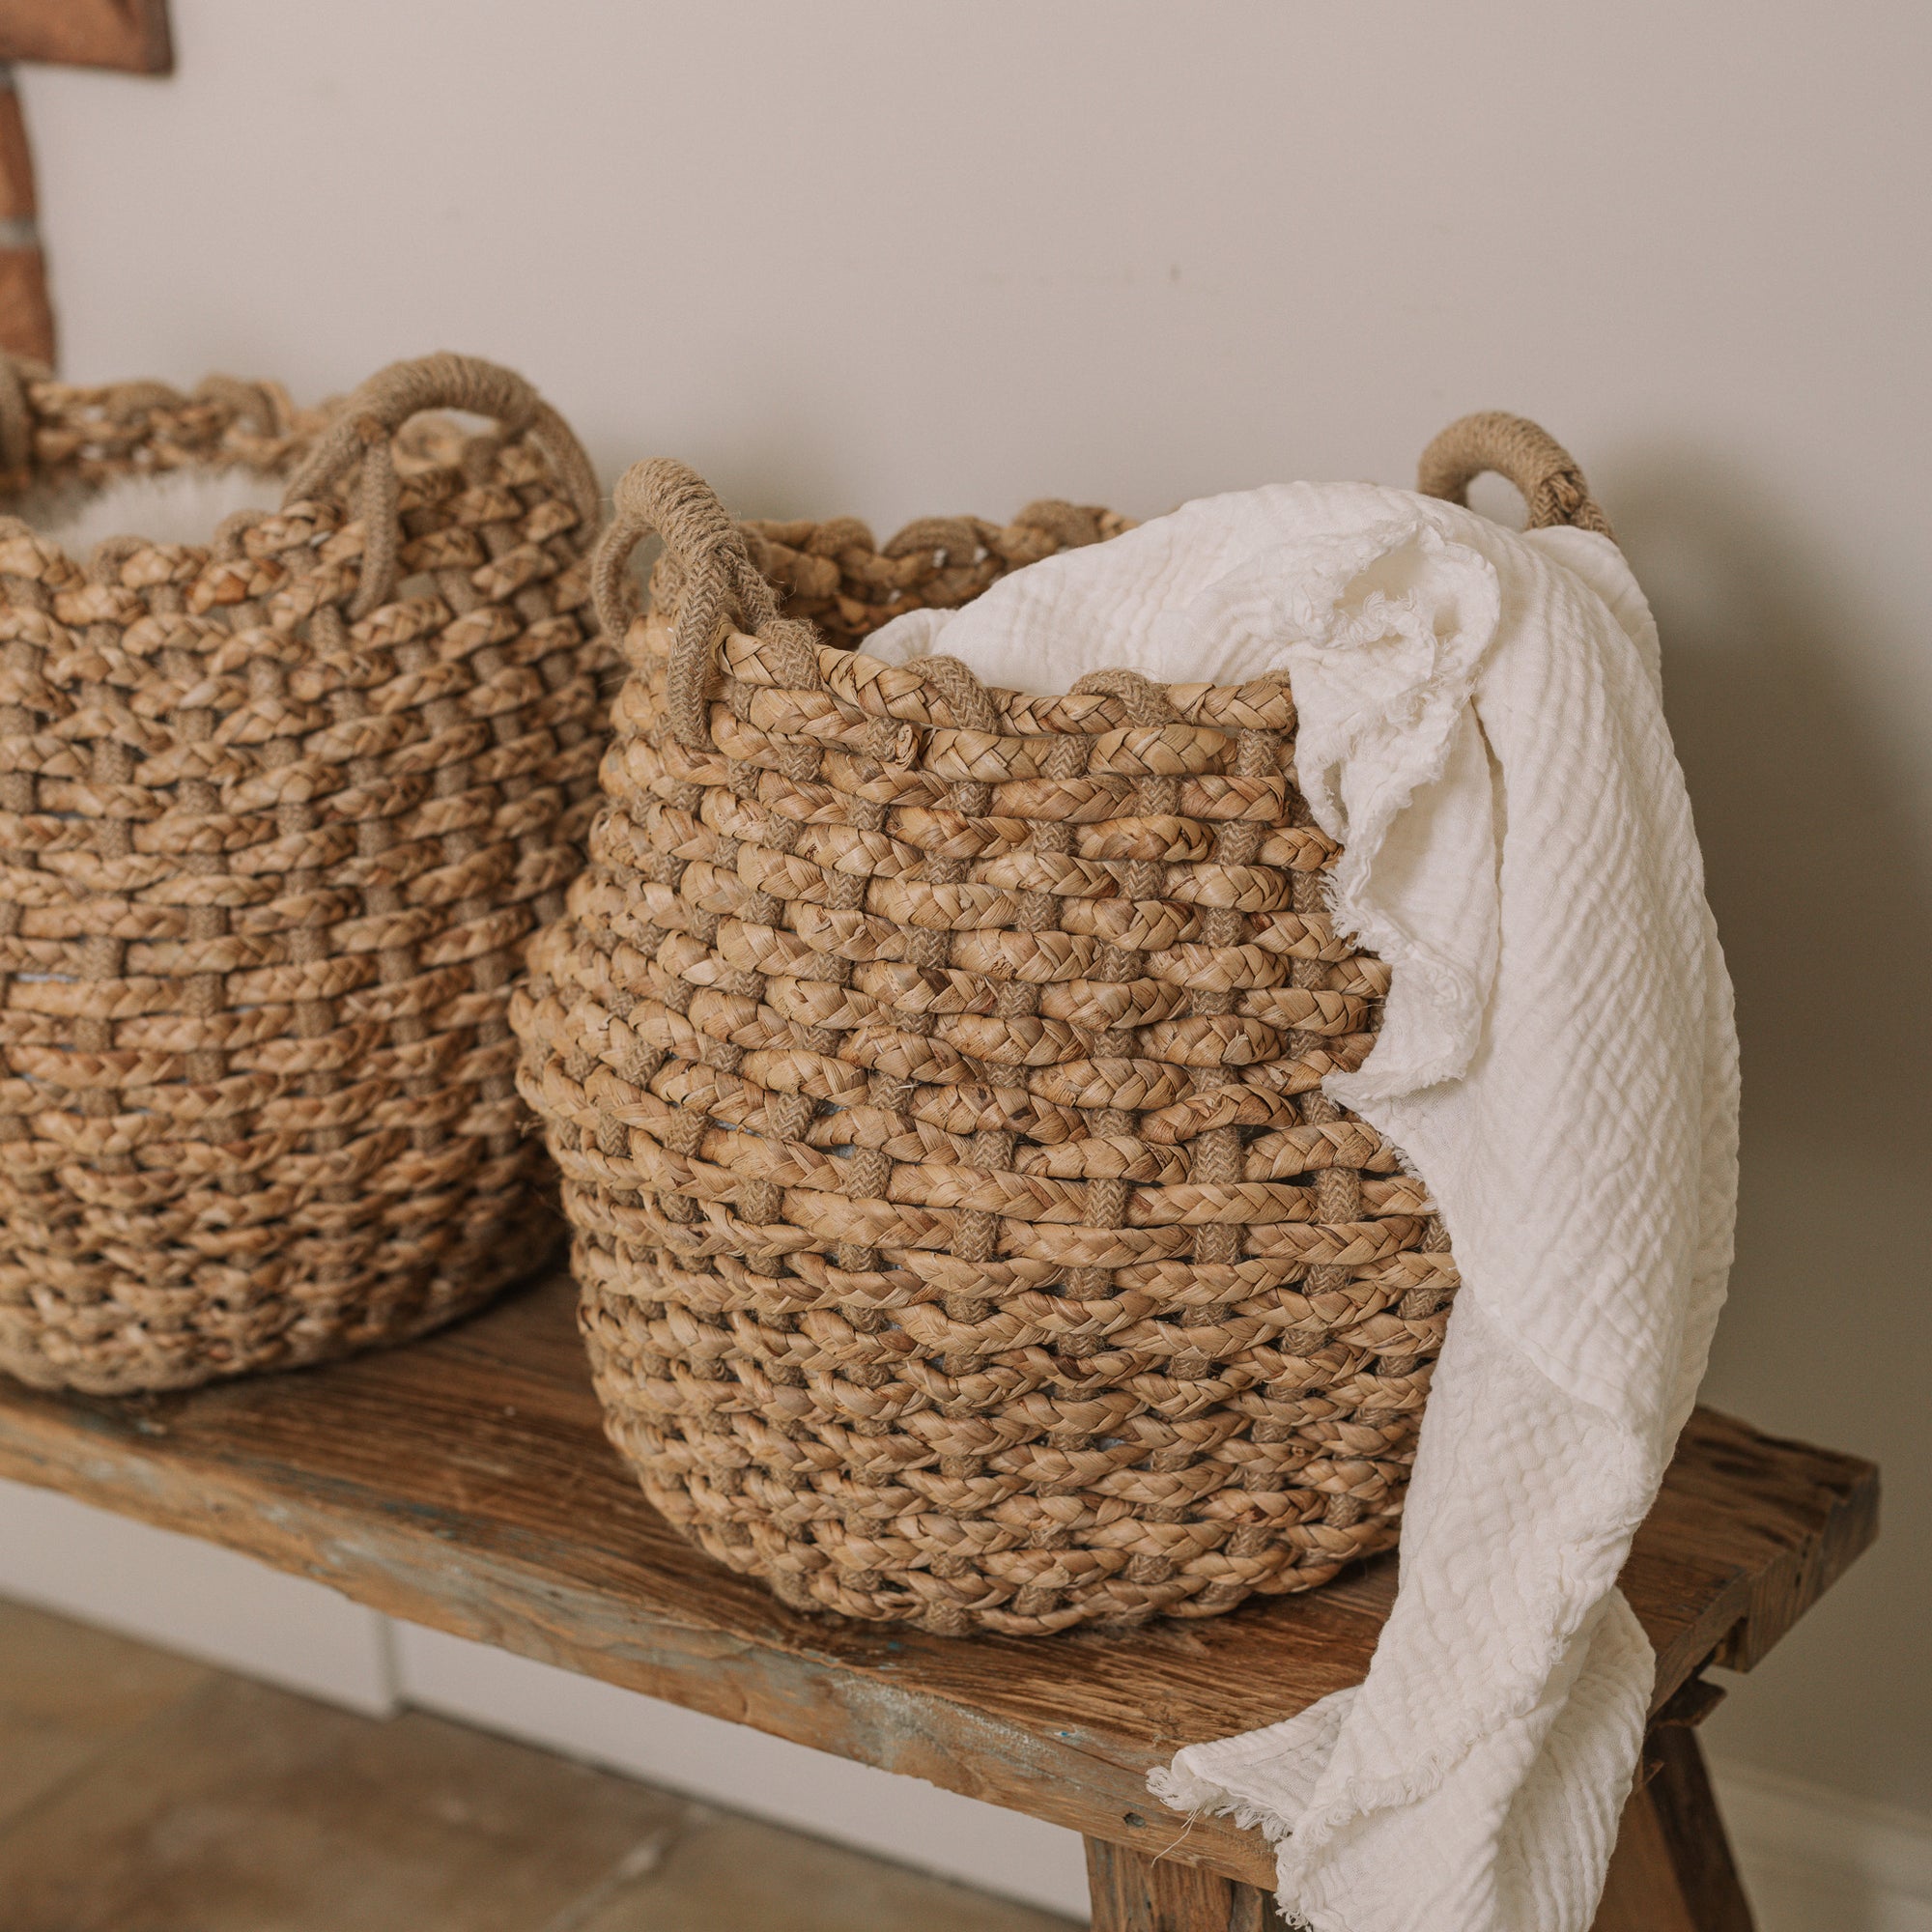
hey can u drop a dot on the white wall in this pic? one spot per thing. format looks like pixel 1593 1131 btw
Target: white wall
pixel 899 258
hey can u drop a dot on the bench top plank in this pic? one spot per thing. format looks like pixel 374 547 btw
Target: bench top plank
pixel 464 1483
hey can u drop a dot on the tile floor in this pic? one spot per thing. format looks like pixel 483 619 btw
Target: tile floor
pixel 143 1793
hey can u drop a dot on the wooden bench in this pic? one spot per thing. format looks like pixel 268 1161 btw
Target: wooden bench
pixel 464 1483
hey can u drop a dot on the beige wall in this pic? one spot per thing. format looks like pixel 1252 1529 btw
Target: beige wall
pixel 903 258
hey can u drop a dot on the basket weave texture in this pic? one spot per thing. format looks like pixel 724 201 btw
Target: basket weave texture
pixel 277 813
pixel 962 1234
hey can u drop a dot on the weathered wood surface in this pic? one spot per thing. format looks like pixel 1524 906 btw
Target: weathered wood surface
pixel 1132 1892
pixel 464 1483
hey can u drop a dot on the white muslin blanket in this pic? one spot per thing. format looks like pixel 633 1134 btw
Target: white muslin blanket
pixel 1480 725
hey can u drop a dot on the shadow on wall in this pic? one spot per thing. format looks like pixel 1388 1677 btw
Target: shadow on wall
pixel 1823 894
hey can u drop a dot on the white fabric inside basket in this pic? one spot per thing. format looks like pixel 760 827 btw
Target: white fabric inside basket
pixel 166 506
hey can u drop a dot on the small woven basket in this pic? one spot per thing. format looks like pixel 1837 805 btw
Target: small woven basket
pixel 963 1235
pixel 276 813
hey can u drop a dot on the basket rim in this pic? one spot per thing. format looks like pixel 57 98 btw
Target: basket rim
pixel 724 578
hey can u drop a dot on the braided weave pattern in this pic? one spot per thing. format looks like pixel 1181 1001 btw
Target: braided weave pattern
pixel 962 1234
pixel 835 575
pixel 274 825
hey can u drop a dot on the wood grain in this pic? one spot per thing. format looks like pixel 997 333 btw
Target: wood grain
pixel 26 313
pixel 1132 1892
pixel 131 35
pixel 464 1483
pixel 17 199
pixel 1673 1869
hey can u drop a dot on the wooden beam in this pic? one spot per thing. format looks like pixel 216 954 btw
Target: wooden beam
pixel 1132 1892
pixel 26 316
pixel 131 35
pixel 464 1483
pixel 1673 1869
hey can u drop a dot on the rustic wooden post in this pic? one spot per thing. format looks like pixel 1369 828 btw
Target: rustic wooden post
pixel 1134 1892
pixel 126 34
pixel 26 318
pixel 1672 1870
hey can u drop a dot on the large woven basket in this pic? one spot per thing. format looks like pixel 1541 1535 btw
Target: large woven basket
pixel 963 1235
pixel 277 811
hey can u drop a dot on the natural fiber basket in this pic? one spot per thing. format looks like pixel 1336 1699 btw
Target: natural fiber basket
pixel 277 811
pixel 963 1235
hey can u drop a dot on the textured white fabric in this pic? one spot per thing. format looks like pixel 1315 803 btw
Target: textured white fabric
pixel 1479 725
pixel 174 506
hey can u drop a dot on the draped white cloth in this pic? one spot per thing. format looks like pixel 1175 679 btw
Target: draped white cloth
pixel 1481 727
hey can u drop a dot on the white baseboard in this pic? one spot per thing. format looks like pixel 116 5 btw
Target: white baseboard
pixel 1815 1860
pixel 192 1597
pixel 899 1818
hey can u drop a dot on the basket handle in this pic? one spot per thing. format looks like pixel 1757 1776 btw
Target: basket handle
pixel 371 418
pixel 720 582
pixel 1522 453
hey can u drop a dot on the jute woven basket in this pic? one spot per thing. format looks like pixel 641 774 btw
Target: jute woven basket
pixel 963 1235
pixel 276 813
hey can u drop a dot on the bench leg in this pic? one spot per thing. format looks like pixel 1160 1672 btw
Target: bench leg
pixel 1134 1892
pixel 1671 1870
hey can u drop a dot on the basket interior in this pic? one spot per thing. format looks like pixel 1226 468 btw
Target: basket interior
pixel 110 453
pixel 142 460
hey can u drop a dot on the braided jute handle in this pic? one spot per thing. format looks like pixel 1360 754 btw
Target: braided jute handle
pixel 722 582
pixel 1518 451
pixel 364 431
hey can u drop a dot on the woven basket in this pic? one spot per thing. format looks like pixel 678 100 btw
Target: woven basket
pixel 963 1235
pixel 276 814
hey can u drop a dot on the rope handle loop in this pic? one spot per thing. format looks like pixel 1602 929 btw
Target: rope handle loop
pixel 720 583
pixel 255 407
pixel 1146 702
pixel 362 433
pixel 1522 453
